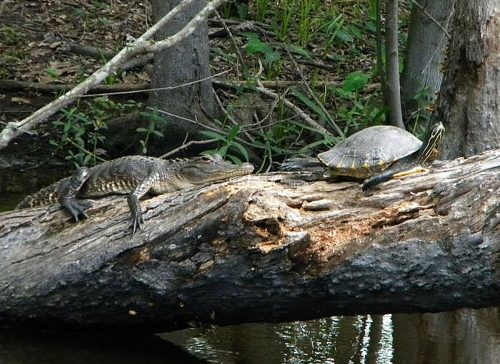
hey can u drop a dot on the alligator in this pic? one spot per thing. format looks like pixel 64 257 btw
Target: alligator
pixel 133 175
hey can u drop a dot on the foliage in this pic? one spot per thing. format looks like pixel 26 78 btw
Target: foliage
pixel 10 35
pixel 228 146
pixel 272 57
pixel 332 45
pixel 152 130
pixel 81 133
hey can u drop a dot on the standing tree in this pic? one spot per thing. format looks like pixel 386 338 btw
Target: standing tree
pixel 183 64
pixel 392 56
pixel 470 96
pixel 425 52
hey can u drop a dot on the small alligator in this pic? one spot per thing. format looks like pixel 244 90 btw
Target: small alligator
pixel 135 176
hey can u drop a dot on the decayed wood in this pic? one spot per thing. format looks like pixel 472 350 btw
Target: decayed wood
pixel 258 249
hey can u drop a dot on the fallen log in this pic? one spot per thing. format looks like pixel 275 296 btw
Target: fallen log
pixel 256 249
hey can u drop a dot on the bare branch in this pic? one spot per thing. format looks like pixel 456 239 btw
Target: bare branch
pixel 140 46
pixel 186 145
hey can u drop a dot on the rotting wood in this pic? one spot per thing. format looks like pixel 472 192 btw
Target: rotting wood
pixel 255 249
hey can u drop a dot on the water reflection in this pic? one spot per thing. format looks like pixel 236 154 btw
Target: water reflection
pixel 459 337
pixel 464 336
pixel 51 348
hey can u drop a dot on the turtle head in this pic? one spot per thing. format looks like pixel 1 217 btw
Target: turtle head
pixel 433 136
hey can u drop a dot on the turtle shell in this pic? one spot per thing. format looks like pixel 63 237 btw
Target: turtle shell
pixel 369 151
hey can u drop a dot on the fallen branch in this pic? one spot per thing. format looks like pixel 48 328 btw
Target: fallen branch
pixel 141 45
pixel 88 51
pixel 13 85
pixel 256 250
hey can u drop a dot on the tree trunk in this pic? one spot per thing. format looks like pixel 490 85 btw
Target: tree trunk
pixel 470 94
pixel 254 249
pixel 392 56
pixel 184 63
pixel 425 53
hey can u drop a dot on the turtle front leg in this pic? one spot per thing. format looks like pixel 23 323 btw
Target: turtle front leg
pixel 68 191
pixel 397 171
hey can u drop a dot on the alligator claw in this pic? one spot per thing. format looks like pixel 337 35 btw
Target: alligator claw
pixel 137 222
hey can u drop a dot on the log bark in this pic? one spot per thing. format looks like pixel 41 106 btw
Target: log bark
pixel 258 249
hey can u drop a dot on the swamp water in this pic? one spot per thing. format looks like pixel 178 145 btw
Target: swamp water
pixel 458 337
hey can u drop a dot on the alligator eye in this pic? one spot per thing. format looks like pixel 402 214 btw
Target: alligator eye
pixel 207 158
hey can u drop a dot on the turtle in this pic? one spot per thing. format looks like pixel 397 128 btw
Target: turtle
pixel 379 153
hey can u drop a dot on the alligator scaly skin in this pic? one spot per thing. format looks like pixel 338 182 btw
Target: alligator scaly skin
pixel 135 176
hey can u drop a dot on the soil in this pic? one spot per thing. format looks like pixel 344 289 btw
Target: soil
pixel 33 39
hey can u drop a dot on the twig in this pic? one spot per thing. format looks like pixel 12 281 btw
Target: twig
pixel 422 8
pixel 275 84
pixel 313 95
pixel 238 27
pixel 195 122
pixel 158 88
pixel 85 150
pixel 301 113
pixel 235 45
pixel 229 117
pixel 140 46
pixel 186 145
pixel 2 6
pixel 320 129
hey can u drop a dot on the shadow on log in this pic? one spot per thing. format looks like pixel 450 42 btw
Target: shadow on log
pixel 254 249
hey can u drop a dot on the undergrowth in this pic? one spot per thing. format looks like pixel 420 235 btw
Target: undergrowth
pixel 329 45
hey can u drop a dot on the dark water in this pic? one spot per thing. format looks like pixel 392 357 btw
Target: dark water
pixel 459 337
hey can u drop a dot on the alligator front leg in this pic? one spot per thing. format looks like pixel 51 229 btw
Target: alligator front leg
pixel 133 201
pixel 68 190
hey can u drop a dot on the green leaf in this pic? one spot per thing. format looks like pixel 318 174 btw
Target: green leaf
pixel 233 133
pixel 273 56
pixel 158 133
pixel 86 160
pixel 255 45
pixel 251 35
pixel 234 159
pixel 243 151
pixel 242 9
pixel 343 35
pixel 141 130
pixel 67 126
pixel 213 135
pixel 79 141
pixel 355 81
pixel 310 103
pixel 300 51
